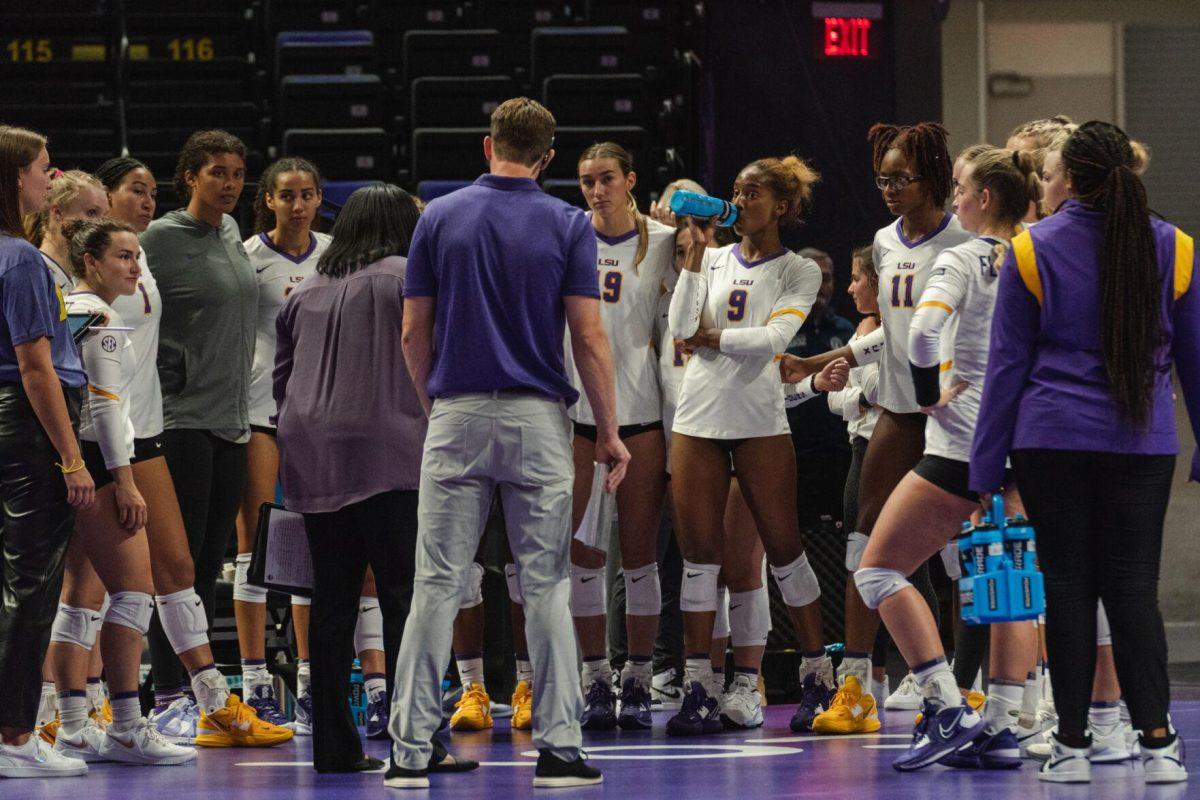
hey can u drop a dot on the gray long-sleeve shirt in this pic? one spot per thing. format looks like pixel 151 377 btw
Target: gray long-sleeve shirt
pixel 210 303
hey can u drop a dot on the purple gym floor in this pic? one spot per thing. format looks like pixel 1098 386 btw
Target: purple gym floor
pixel 767 763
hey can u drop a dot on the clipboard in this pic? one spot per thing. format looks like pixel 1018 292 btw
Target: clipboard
pixel 281 561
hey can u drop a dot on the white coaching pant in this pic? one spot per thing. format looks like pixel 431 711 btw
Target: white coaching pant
pixel 519 445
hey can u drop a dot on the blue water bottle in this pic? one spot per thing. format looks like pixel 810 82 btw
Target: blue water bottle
pixel 1018 541
pixel 966 555
pixel 358 695
pixel 691 204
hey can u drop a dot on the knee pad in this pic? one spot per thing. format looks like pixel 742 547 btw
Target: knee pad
pixel 749 617
pixel 368 631
pixel 856 543
pixel 183 620
pixel 797 582
pixel 698 591
pixel 513 579
pixel 721 620
pixel 643 591
pixel 104 606
pixel 876 584
pixel 77 626
pixel 301 600
pixel 472 595
pixel 247 593
pixel 131 609
pixel 1103 631
pixel 950 561
pixel 587 592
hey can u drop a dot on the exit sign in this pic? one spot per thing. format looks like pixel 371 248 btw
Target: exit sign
pixel 847 37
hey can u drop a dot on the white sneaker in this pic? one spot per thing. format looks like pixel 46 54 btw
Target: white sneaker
pixel 1066 764
pixel 907 697
pixel 664 694
pixel 36 759
pixel 84 745
pixel 1164 764
pixel 879 688
pixel 143 745
pixel 741 706
pixel 1109 745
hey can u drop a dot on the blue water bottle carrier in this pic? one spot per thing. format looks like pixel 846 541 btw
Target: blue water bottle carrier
pixel 1000 580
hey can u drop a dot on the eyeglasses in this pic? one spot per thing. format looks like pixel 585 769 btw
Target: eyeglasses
pixel 899 183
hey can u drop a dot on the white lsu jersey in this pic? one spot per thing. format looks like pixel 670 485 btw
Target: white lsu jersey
pixel 961 294
pixel 903 268
pixel 734 395
pixel 671 363
pixel 277 273
pixel 628 302
pixel 108 358
pixel 142 311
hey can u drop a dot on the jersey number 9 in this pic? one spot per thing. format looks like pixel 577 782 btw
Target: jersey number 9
pixel 612 287
pixel 737 305
pixel 907 280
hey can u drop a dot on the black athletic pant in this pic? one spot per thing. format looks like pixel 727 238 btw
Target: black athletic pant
pixel 209 474
pixel 380 531
pixel 1099 522
pixel 36 527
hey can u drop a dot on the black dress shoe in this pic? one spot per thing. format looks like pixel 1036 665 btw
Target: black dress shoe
pixel 554 772
pixel 398 777
pixel 442 761
pixel 365 764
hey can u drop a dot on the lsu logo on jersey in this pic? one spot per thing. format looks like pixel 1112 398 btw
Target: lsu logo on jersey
pixel 906 265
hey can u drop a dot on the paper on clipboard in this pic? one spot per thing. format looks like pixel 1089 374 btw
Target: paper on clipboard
pixel 596 526
pixel 287 559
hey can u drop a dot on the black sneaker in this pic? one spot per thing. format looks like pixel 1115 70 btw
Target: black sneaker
pixel 554 772
pixel 397 777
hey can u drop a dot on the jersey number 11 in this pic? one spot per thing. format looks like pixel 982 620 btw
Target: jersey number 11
pixel 908 284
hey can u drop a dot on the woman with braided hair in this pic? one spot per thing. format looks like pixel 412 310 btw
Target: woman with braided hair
pixel 1094 306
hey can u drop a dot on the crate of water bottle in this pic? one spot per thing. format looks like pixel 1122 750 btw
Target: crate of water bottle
pixel 1000 581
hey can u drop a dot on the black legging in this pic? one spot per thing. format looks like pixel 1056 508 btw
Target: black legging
pixel 1099 522
pixel 209 474
pixel 34 532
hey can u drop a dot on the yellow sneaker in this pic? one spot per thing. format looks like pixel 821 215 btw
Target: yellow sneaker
pixel 474 710
pixel 236 725
pixel 852 711
pixel 975 700
pixel 522 703
pixel 49 731
pixel 102 716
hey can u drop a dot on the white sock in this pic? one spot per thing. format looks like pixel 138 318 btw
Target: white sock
pixel 937 683
pixel 211 689
pixel 470 670
pixel 303 677
pixel 597 669
pixel 1003 706
pixel 859 668
pixel 699 670
pixel 1125 718
pixel 254 674
pixel 375 686
pixel 95 694
pixel 1104 714
pixel 642 670
pixel 820 666
pixel 1029 701
pixel 72 711
pixel 524 670
pixel 127 712
pixel 47 704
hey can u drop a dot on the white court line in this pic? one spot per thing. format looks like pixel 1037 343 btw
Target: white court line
pixel 831 738
pixel 508 763
pixel 273 764
pixel 885 747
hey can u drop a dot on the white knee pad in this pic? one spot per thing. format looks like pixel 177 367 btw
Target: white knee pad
pixel 587 592
pixel 513 579
pixel 749 617
pixel 797 582
pixel 368 631
pixel 472 595
pixel 876 584
pixel 1103 631
pixel 301 600
pixel 856 543
pixel 77 626
pixel 183 620
pixel 643 591
pixel 698 591
pixel 131 609
pixel 721 620
pixel 243 591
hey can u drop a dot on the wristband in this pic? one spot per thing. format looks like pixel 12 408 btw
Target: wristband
pixel 75 467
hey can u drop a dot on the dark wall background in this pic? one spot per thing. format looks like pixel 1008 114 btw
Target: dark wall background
pixel 767 93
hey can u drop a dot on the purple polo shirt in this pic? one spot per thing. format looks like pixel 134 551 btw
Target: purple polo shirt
pixel 31 307
pixel 499 256
pixel 1046 386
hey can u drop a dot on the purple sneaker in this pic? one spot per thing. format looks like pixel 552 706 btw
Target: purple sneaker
pixel 987 751
pixel 262 700
pixel 377 716
pixel 941 731
pixel 635 705
pixel 698 714
pixel 599 707
pixel 815 698
pixel 302 726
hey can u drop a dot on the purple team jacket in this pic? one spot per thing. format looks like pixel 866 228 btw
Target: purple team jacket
pixel 1046 386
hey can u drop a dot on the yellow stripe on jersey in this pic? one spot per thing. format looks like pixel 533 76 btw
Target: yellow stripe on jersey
pixel 1022 245
pixel 936 304
pixel 946 366
pixel 1185 252
pixel 783 311
pixel 62 304
pixel 102 393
